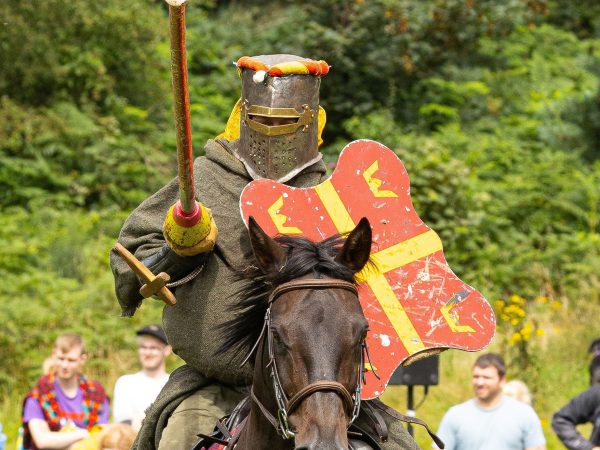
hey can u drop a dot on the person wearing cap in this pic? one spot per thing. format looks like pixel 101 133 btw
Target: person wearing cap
pixel 273 132
pixel 135 392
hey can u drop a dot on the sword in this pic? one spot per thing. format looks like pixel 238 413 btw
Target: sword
pixel 153 285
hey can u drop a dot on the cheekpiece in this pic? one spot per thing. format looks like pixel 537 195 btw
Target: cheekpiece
pixel 278 114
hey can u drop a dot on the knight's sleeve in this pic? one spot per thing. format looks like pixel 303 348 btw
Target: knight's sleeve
pixel 142 235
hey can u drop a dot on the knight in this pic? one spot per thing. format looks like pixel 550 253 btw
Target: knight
pixel 274 132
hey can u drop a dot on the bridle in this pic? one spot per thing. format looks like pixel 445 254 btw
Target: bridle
pixel 286 406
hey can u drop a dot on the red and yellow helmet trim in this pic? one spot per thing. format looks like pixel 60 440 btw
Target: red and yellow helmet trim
pixel 300 67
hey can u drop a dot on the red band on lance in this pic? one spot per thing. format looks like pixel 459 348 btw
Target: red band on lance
pixel 184 219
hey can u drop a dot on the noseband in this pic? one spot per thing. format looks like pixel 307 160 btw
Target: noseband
pixel 286 406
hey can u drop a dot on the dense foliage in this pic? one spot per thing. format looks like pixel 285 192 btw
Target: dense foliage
pixel 78 126
pixel 494 107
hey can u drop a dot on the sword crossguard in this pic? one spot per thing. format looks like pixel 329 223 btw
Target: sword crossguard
pixel 153 285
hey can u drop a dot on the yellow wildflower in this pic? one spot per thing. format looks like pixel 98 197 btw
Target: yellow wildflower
pixel 517 299
pixel 526 331
pixel 514 339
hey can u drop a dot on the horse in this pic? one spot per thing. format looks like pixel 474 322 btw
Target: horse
pixel 299 319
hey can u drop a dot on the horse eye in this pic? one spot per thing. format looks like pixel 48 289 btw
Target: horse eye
pixel 279 342
pixel 363 335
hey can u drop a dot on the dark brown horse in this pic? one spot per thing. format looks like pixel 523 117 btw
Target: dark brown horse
pixel 301 323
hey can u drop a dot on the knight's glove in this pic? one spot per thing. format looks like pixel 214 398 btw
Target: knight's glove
pixel 190 234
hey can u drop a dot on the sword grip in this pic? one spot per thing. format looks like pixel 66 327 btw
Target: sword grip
pixel 158 287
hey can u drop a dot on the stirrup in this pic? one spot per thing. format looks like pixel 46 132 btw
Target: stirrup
pixel 224 426
pixel 359 439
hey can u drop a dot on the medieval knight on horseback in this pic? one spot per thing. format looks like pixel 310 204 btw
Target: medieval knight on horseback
pixel 192 231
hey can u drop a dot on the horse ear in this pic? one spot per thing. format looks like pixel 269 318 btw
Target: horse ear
pixel 269 255
pixel 357 248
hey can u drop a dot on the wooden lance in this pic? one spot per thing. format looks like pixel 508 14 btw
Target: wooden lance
pixel 181 98
pixel 188 223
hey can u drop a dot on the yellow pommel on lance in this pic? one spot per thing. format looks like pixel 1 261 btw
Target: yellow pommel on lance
pixel 190 234
pixel 189 228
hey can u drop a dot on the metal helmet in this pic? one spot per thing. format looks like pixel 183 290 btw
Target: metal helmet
pixel 278 114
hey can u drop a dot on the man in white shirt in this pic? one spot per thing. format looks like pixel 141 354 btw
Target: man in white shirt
pixel 134 393
pixel 491 420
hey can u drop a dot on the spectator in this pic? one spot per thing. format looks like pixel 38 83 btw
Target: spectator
pixel 116 436
pixel 594 350
pixel 64 405
pixel 135 392
pixel 585 408
pixel 491 420
pixel 517 390
pixel 48 366
pixel 2 439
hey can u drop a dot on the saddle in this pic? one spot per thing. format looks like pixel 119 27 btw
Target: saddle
pixel 372 431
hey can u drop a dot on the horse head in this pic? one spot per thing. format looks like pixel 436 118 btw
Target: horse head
pixel 308 347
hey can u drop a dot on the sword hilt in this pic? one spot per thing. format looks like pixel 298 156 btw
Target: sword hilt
pixel 154 285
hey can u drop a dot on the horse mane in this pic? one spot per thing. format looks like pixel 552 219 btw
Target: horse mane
pixel 250 302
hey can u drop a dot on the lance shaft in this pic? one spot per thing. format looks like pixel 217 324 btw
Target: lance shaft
pixel 188 227
pixel 185 159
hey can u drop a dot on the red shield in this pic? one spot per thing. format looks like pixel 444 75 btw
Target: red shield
pixel 413 301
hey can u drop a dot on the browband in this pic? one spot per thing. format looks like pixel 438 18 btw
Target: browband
pixel 313 283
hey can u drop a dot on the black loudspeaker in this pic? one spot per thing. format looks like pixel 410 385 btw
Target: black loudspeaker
pixel 424 372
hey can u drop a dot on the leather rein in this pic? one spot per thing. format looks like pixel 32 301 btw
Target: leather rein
pixel 286 406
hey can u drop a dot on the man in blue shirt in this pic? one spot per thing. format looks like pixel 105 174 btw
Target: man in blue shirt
pixel 491 421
